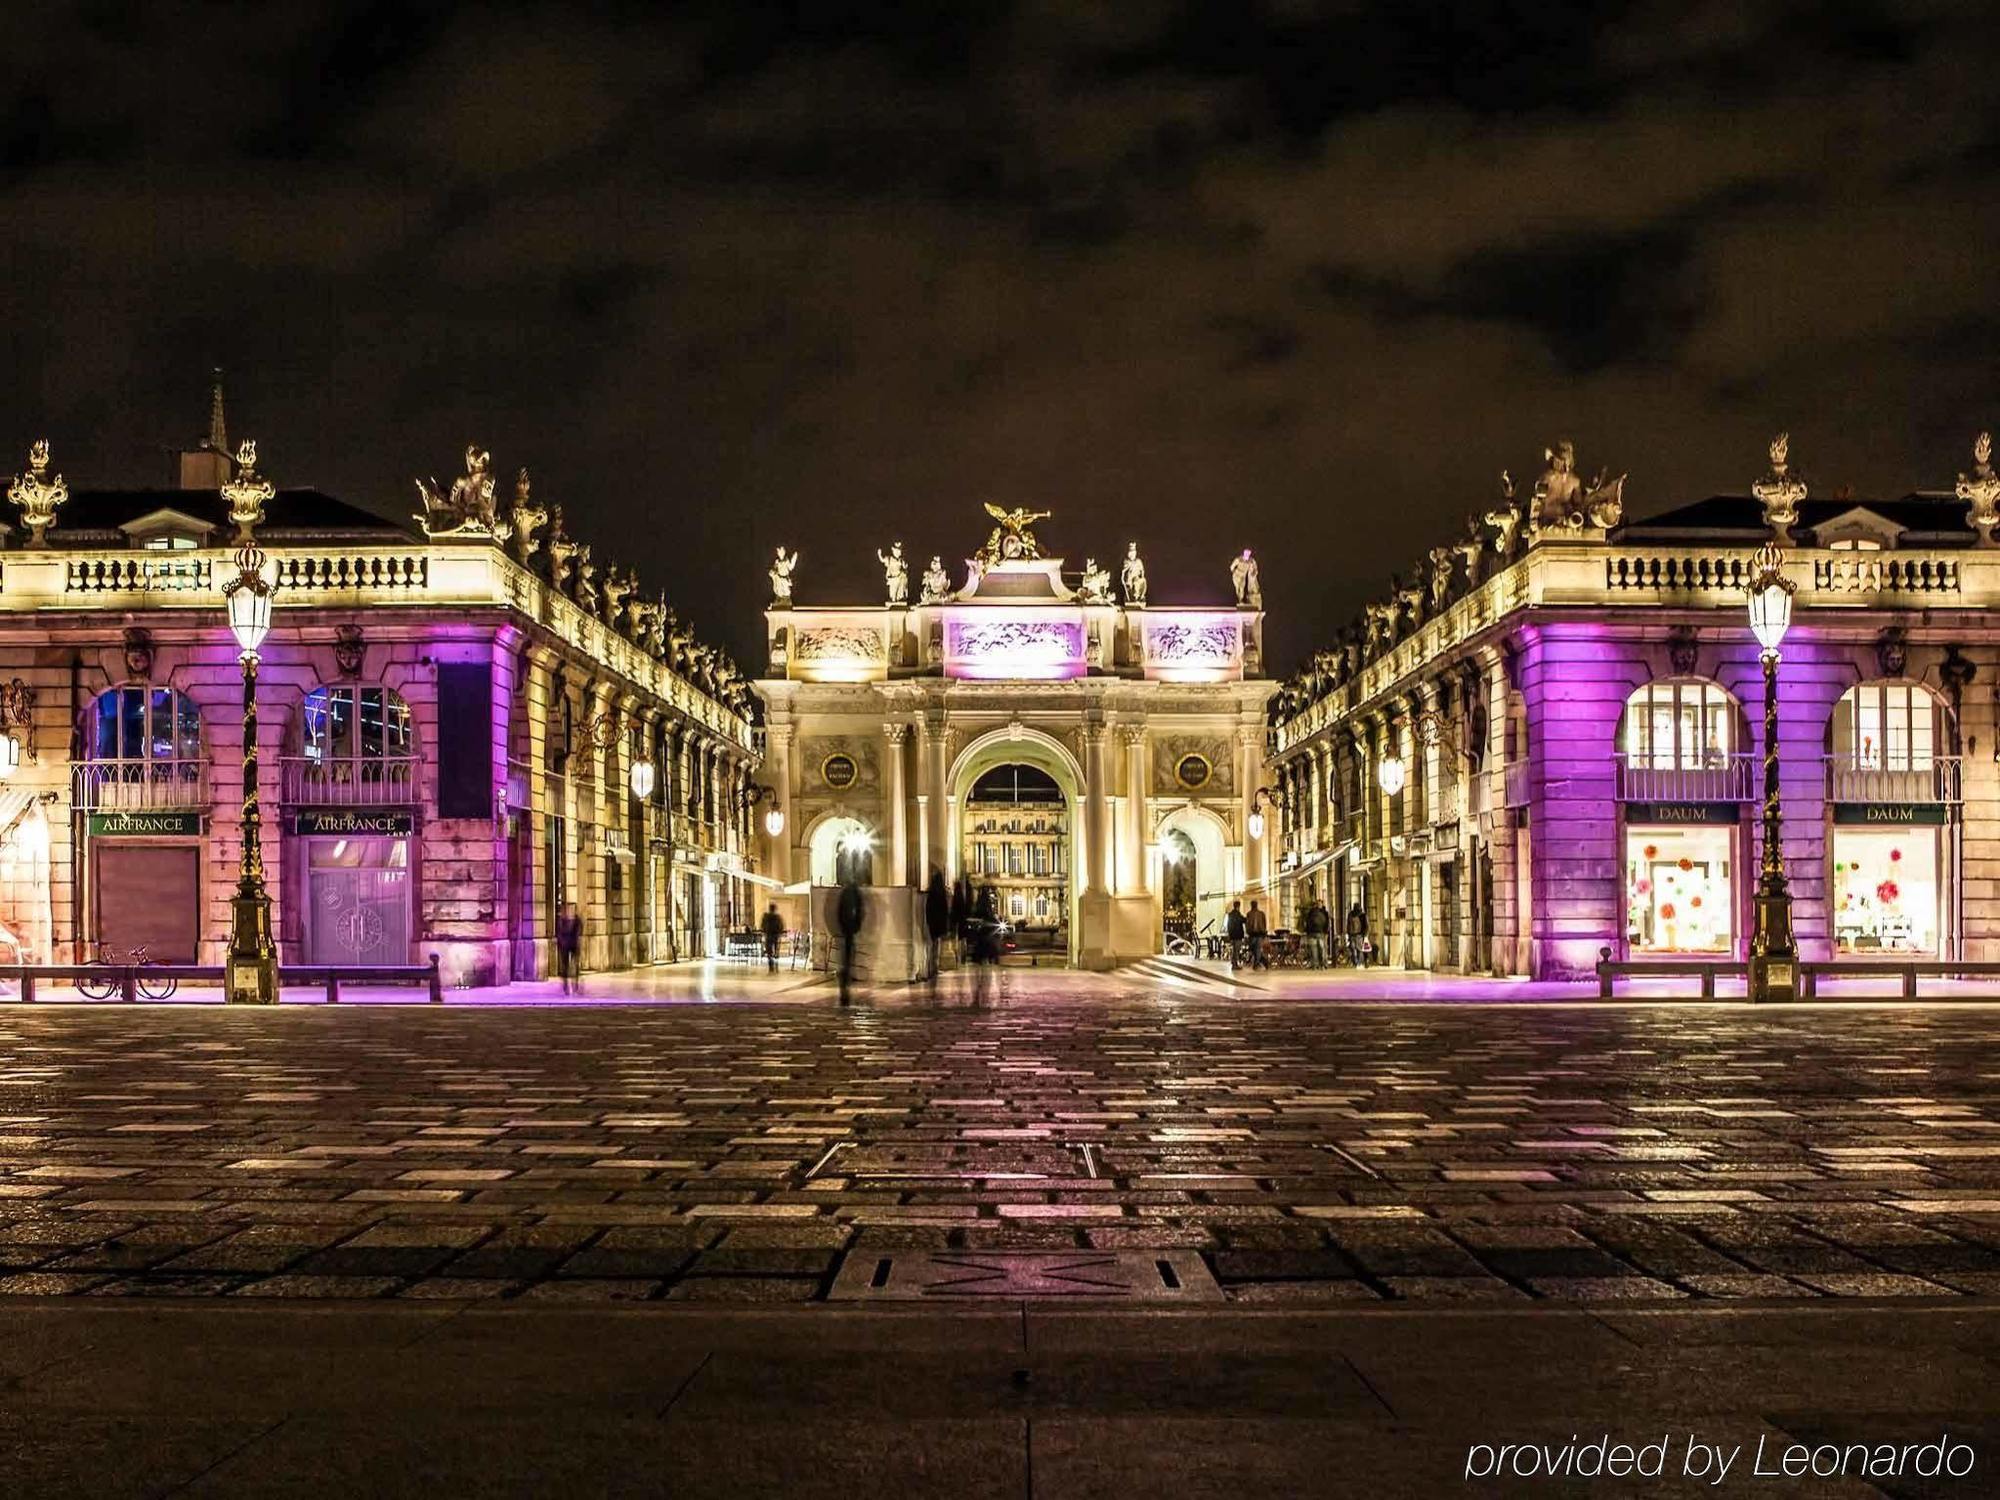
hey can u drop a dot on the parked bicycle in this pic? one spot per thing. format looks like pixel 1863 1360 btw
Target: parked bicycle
pixel 109 979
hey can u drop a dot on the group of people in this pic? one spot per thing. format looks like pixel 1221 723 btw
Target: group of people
pixel 971 917
pixel 1248 934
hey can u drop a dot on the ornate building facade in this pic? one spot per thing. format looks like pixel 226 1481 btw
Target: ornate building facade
pixel 881 718
pixel 1549 743
pixel 449 719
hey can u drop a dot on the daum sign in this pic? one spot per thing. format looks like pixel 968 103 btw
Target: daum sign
pixel 1667 814
pixel 153 825
pixel 1889 814
pixel 347 823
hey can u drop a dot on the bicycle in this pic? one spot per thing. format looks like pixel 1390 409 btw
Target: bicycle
pixel 136 957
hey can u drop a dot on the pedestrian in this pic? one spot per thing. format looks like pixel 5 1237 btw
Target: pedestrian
pixel 1357 936
pixel 1257 925
pixel 1233 928
pixel 937 922
pixel 961 913
pixel 1317 923
pixel 569 948
pixel 848 917
pixel 774 931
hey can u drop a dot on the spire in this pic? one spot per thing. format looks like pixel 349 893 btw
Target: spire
pixel 218 434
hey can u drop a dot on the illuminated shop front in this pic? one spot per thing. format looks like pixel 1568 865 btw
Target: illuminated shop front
pixel 1680 889
pixel 1894 801
pixel 1886 891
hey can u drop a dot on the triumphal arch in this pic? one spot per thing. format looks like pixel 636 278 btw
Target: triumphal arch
pixel 1093 757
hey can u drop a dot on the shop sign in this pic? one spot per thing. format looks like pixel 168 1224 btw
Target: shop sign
pixel 144 825
pixel 350 823
pixel 1668 814
pixel 1890 814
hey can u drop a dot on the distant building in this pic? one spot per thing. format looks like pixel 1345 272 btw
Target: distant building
pixel 1549 745
pixel 1017 841
pixel 447 729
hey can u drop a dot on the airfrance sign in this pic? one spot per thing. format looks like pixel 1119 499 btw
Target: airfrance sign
pixel 348 823
pixel 1890 814
pixel 1706 813
pixel 144 825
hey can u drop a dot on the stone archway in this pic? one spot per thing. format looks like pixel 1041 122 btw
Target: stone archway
pixel 1017 745
pixel 1203 837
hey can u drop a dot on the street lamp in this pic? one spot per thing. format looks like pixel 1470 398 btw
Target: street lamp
pixel 774 816
pixel 1773 955
pixel 253 961
pixel 1262 798
pixel 1391 773
pixel 643 775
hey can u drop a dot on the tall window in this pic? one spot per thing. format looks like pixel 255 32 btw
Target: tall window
pixel 1886 726
pixel 154 725
pixel 355 724
pixel 1679 725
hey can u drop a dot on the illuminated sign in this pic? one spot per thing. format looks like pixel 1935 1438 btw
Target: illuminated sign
pixel 839 772
pixel 1711 814
pixel 1193 771
pixel 350 823
pixel 144 825
pixel 1890 814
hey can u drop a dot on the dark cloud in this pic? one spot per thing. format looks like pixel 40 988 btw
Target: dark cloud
pixel 1266 272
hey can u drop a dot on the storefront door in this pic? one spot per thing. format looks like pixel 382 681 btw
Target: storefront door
pixel 358 901
pixel 147 895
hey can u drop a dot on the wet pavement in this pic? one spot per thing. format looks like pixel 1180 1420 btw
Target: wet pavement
pixel 1145 1143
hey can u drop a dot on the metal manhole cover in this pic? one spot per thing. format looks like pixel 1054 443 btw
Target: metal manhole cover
pixel 1105 1275
pixel 955 1161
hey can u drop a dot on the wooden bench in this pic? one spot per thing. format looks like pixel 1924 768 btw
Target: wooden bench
pixel 1907 970
pixel 333 976
pixel 1706 968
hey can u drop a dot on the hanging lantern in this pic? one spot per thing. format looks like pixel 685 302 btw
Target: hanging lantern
pixel 643 779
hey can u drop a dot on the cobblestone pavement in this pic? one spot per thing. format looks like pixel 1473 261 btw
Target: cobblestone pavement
pixel 792 1152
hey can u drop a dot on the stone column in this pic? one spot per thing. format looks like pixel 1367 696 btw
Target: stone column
pixel 1133 737
pixel 1096 812
pixel 778 769
pixel 894 736
pixel 934 832
pixel 1257 862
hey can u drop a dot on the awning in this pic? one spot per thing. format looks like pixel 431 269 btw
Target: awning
pixel 1324 857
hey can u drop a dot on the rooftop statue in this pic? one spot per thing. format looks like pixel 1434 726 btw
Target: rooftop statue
pixel 1096 583
pixel 1011 540
pixel 1132 575
pixel 1470 549
pixel 525 517
pixel 1558 492
pixel 1780 491
pixel 781 576
pixel 1506 520
pixel 936 583
pixel 468 510
pixel 38 495
pixel 562 554
pixel 1981 491
pixel 895 574
pixel 1440 561
pixel 586 580
pixel 1243 575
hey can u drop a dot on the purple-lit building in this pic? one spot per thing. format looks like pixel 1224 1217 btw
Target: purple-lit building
pixel 1550 743
pixel 449 722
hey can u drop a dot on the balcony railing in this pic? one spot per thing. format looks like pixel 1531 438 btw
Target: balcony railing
pixel 141 785
pixel 382 781
pixel 1926 779
pixel 1716 778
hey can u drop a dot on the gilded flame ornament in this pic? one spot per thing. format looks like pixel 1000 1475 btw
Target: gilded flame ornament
pixel 37 494
pixel 248 492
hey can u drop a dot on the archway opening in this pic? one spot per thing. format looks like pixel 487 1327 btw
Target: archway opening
pixel 842 848
pixel 1180 888
pixel 1014 840
pixel 1192 850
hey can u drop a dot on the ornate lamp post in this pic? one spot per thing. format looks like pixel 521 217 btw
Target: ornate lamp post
pixel 253 960
pixel 1774 968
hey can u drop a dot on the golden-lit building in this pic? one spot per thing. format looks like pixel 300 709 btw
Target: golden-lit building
pixel 1017 842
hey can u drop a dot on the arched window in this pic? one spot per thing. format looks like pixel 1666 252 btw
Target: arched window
pixel 1682 724
pixel 841 847
pixel 142 749
pixel 1887 726
pixel 356 745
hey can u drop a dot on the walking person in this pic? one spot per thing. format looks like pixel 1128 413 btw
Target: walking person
pixel 961 914
pixel 1257 926
pixel 774 932
pixel 1234 929
pixel 937 922
pixel 569 948
pixel 983 943
pixel 849 909
pixel 1318 921
pixel 1357 936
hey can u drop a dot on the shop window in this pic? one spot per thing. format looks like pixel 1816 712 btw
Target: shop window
pixel 146 724
pixel 1886 726
pixel 1679 892
pixel 1885 890
pixel 355 744
pixel 1679 725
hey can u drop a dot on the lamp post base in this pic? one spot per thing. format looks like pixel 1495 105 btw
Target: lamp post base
pixel 1774 959
pixel 251 974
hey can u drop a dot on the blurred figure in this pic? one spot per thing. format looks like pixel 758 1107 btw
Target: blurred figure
pixel 569 948
pixel 848 916
pixel 774 932
pixel 937 922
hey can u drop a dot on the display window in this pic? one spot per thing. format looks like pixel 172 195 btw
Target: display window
pixel 1885 890
pixel 1680 895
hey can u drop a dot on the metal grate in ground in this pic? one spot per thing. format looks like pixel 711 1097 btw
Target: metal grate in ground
pixel 970 1275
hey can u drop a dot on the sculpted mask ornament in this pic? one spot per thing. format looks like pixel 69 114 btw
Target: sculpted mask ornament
pixel 37 494
pixel 468 510
pixel 1012 540
pixel 937 583
pixel 348 649
pixel 895 574
pixel 1892 652
pixel 1096 583
pixel 1132 576
pixel 138 654
pixel 1683 645
pixel 1981 491
pixel 248 492
pixel 525 517
pixel 1780 492
pixel 1243 577
pixel 1506 520
pixel 782 567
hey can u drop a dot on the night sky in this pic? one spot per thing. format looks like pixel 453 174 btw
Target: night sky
pixel 1211 274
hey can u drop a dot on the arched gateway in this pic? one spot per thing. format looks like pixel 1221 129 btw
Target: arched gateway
pixel 1137 731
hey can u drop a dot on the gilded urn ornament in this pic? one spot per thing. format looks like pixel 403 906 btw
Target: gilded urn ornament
pixel 38 494
pixel 1980 490
pixel 248 492
pixel 1780 491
